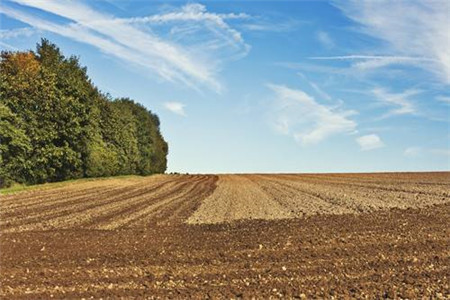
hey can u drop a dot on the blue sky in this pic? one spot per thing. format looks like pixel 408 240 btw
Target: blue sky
pixel 262 86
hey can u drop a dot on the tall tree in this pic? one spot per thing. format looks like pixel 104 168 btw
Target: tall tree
pixel 60 126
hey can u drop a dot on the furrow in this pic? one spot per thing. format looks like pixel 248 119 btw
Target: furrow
pixel 82 212
pixel 124 215
pixel 74 205
pixel 344 199
pixel 410 187
pixel 180 208
pixel 64 200
pixel 184 210
pixel 301 202
pixel 367 198
pixel 18 202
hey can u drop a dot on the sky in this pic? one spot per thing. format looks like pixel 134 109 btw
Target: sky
pixel 266 86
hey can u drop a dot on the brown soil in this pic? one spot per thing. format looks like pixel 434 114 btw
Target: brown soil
pixel 292 196
pixel 313 236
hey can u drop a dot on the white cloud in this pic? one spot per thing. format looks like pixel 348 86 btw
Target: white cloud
pixel 369 142
pixel 401 101
pixel 16 33
pixel 445 152
pixel 9 34
pixel 368 62
pixel 195 27
pixel 416 29
pixel 176 108
pixel 309 122
pixel 259 27
pixel 190 12
pixel 412 152
pixel 172 56
pixel 264 24
pixel 445 99
pixel 316 88
pixel 325 39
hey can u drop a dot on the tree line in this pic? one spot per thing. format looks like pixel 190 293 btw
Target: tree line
pixel 56 125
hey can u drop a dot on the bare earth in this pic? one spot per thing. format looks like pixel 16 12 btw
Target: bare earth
pixel 230 236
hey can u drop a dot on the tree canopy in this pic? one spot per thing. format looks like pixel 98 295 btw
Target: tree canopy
pixel 56 125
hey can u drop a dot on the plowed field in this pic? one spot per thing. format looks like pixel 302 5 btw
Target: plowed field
pixel 381 235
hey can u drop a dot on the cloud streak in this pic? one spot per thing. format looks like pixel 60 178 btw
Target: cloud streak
pixel 317 89
pixel 16 33
pixel 266 25
pixel 444 152
pixel 189 12
pixel 309 122
pixel 193 24
pixel 403 105
pixel 444 99
pixel 414 29
pixel 368 62
pixel 165 56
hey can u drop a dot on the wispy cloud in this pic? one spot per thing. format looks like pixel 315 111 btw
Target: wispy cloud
pixel 168 56
pixel 444 152
pixel 317 89
pixel 415 29
pixel 16 33
pixel 189 12
pixel 265 25
pixel 413 152
pixel 368 62
pixel 10 34
pixel 309 122
pixel 196 27
pixel 401 101
pixel 325 39
pixel 176 108
pixel 316 68
pixel 370 142
pixel 445 99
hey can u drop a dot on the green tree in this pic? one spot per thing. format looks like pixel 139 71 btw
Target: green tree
pixel 14 148
pixel 59 125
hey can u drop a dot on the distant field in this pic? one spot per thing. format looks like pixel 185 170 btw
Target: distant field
pixel 380 235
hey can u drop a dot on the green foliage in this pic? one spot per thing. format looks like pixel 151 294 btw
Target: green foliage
pixel 146 129
pixel 14 147
pixel 55 125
